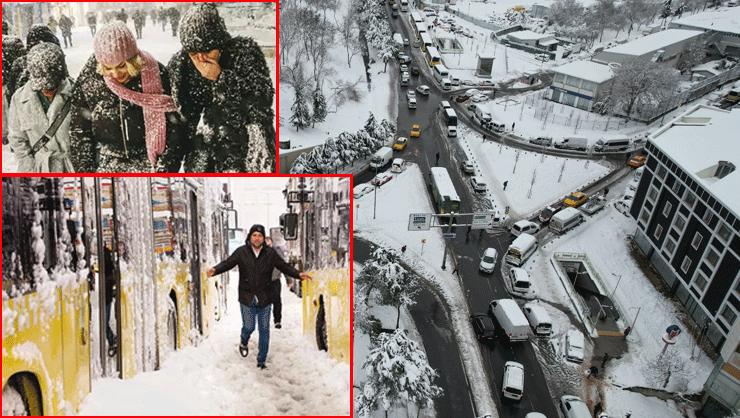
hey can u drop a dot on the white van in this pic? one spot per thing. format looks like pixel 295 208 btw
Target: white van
pixel 574 407
pixel 612 145
pixel 497 125
pixel 538 318
pixel 521 249
pixel 446 83
pixel 452 131
pixel 513 386
pixel 444 104
pixel 519 280
pixel 510 319
pixel 565 220
pixel 440 71
pixel 397 165
pixel 573 143
pixel 481 114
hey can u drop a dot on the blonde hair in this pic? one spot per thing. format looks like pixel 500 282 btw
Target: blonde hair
pixel 133 66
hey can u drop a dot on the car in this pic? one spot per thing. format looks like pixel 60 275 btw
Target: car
pixel 381 179
pixel 574 407
pixel 410 94
pixel 542 57
pixel 541 140
pixel 430 14
pixel 416 43
pixel 404 68
pixel 637 161
pixel 479 185
pixel 406 41
pixel 632 185
pixel 479 98
pixel 574 346
pixel 394 14
pixel 471 107
pixel 467 167
pixel 455 81
pixel 414 70
pixel 488 261
pixel 487 83
pixel 403 58
pixel 462 98
pixel 513 386
pixel 547 212
pixel 400 143
pixel 423 90
pixel 412 103
pixel 361 190
pixel 623 206
pixel 483 326
pixel 415 131
pixel 428 9
pixel 575 199
pixel 524 226
pixel 472 92
pixel 535 415
pixel 467 82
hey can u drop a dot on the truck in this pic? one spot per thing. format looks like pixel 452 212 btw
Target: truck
pixel 510 319
pixel 381 158
pixel 573 143
pixel 398 40
pixel 594 204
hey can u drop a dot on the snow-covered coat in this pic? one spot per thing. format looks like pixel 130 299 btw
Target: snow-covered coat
pixel 236 133
pixel 28 122
pixel 108 133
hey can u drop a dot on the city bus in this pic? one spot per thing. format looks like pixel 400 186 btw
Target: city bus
pixel 432 55
pixel 426 41
pixel 158 237
pixel 443 191
pixel 419 28
pixel 415 17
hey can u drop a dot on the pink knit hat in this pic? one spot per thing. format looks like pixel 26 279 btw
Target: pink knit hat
pixel 115 43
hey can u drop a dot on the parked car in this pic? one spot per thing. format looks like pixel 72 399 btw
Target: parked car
pixel 479 98
pixel 488 261
pixel 524 227
pixel 415 131
pixel 547 212
pixel 542 57
pixel 486 83
pixel 416 43
pixel 414 70
pixel 574 346
pixel 404 68
pixel 542 140
pixel 574 407
pixel 483 326
pixel 637 161
pixel 381 179
pixel 361 190
pixel 467 167
pixel 471 106
pixel 576 199
pixel 455 81
pixel 472 92
pixel 410 94
pixel 406 41
pixel 423 90
pixel 403 58
pixel 467 82
pixel 513 385
pixel 479 185
pixel 400 143
pixel 462 98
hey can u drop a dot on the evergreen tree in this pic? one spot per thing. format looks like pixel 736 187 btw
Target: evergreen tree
pixel 319 107
pixel 300 117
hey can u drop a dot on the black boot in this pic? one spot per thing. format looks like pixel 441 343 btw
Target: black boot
pixel 243 349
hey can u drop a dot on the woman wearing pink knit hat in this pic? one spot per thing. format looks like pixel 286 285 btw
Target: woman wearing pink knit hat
pixel 123 117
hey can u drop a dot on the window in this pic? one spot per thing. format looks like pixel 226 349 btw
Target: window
pixel 559 78
pixel 712 257
pixel 679 223
pixel 573 81
pixel 729 315
pixel 662 172
pixel 645 215
pixel 707 216
pixel 724 232
pixel 588 85
pixel 653 194
pixel 690 199
pixel 676 186
pixel 697 241
pixel 670 245
pixel 667 209
pixel 686 264
pixel 658 232
pixel 700 282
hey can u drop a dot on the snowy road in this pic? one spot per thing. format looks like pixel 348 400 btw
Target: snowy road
pixel 213 379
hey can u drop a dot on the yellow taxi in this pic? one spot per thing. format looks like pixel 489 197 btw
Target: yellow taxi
pixel 576 199
pixel 415 131
pixel 637 161
pixel 400 143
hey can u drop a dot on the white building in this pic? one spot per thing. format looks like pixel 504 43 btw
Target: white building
pixel 665 46
pixel 544 41
pixel 722 29
pixel 578 83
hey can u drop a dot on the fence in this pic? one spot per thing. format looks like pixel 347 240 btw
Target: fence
pixel 479 22
pixel 547 112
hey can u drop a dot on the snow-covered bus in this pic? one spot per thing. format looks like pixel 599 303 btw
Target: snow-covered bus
pixel 426 41
pixel 59 234
pixel 415 17
pixel 419 28
pixel 432 55
pixel 444 192
pixel 398 40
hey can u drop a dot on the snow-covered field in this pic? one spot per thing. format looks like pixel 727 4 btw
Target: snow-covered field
pixel 604 238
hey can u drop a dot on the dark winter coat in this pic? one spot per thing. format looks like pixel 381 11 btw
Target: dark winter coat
pixel 237 132
pixel 255 274
pixel 174 16
pixel 139 17
pixel 108 134
pixel 65 24
pixel 92 18
pixel 13 49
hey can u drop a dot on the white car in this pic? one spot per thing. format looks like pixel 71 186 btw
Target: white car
pixel 404 68
pixel 488 261
pixel 423 90
pixel 467 82
pixel 472 92
pixel 405 41
pixel 542 57
pixel 404 59
pixel 410 94
pixel 479 98
pixel 479 185
pixel 361 190
pixel 412 103
pixel 574 346
pixel 468 167
pixel 524 226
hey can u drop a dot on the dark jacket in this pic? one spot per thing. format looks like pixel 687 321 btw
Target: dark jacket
pixel 255 274
pixel 101 121
pixel 236 132
pixel 65 24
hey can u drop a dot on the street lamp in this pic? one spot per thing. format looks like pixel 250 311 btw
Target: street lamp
pixel 619 278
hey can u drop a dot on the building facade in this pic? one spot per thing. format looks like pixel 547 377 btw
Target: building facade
pixel 578 83
pixel 722 31
pixel 686 207
pixel 666 47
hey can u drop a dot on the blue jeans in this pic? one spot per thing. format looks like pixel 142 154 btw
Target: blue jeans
pixel 248 325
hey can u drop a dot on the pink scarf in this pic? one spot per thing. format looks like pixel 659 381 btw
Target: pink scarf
pixel 154 103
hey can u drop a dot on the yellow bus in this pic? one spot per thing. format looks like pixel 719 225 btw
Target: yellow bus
pixel 55 231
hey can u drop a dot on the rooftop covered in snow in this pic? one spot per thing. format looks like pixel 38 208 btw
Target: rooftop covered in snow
pixel 528 35
pixel 697 141
pixel 728 20
pixel 653 42
pixel 587 70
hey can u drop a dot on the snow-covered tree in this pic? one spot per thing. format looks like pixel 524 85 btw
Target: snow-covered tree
pixel 348 33
pixel 600 15
pixel 667 10
pixel 300 118
pixel 319 107
pixel 634 11
pixel 692 56
pixel 566 13
pixel 362 318
pixel 398 374
pixel 371 125
pixel 640 81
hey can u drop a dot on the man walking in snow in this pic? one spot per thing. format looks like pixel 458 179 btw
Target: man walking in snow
pixel 138 17
pixel 277 311
pixel 65 24
pixel 92 21
pixel 256 263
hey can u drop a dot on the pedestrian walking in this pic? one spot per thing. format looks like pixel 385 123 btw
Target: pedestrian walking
pixel 506 183
pixel 437 162
pixel 403 249
pixel 277 310
pixel 110 292
pixel 593 371
pixel 512 126
pixel 256 263
pixel 162 15
pixel 123 117
pixel 222 87
pixel 65 24
pixel 92 22
pixel 13 50
pixel 122 16
pixel 39 114
pixel 5 27
pixel 174 15
pixel 139 18
pixel 606 191
pixel 484 137
pixel 606 358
